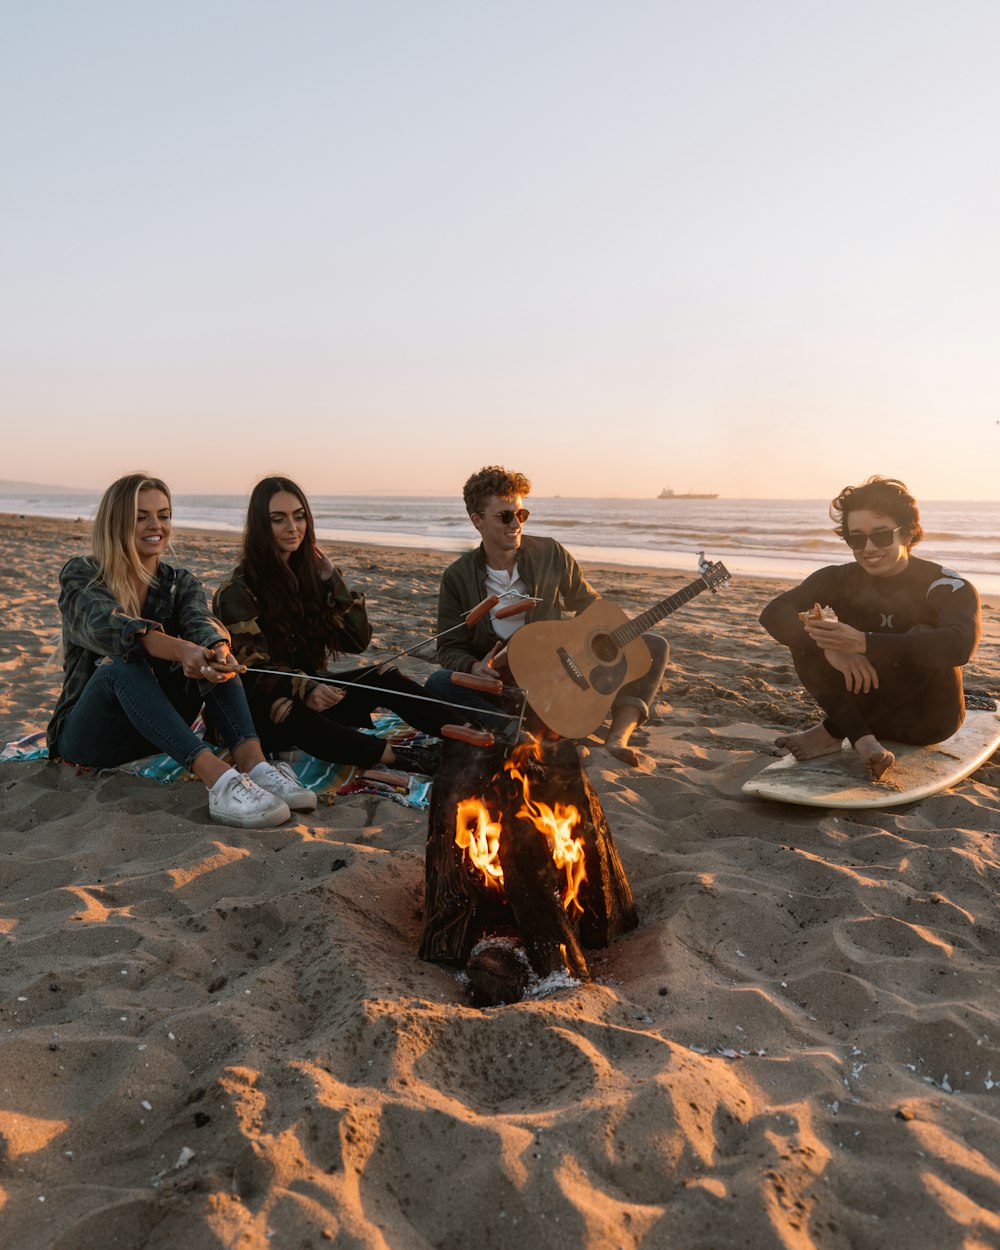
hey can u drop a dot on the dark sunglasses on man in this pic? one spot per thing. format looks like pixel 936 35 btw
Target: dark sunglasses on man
pixel 508 515
pixel 880 538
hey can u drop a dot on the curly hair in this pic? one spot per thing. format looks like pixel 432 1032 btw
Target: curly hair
pixel 291 595
pixel 885 495
pixel 493 480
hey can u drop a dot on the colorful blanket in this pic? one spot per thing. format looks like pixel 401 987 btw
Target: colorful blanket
pixel 323 778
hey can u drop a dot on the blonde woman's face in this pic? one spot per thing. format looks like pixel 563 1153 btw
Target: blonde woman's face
pixel 152 526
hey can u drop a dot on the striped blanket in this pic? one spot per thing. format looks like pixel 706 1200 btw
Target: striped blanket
pixel 321 777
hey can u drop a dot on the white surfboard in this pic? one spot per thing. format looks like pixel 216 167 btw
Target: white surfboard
pixel 839 780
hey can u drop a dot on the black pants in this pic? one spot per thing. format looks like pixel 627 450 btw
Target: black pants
pixel 332 736
pixel 914 705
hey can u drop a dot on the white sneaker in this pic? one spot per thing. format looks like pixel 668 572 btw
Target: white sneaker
pixel 280 780
pixel 243 803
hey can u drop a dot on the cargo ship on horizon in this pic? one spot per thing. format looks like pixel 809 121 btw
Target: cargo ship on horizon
pixel 667 493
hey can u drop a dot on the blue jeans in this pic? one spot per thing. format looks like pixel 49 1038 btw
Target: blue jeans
pixel 639 694
pixel 137 707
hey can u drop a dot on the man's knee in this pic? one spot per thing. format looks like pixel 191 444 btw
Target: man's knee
pixel 659 648
pixel 439 683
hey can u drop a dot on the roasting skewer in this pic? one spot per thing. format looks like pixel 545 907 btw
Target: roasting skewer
pixel 473 615
pixel 486 685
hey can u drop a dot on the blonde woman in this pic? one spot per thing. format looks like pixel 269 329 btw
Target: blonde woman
pixel 142 654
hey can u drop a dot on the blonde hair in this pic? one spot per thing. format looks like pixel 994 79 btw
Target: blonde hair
pixel 113 538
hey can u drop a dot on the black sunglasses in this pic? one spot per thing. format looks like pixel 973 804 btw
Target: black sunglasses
pixel 880 538
pixel 508 514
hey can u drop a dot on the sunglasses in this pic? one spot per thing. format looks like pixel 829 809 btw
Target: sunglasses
pixel 880 538
pixel 508 514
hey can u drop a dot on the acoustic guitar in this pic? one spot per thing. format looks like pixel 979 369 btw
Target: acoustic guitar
pixel 571 670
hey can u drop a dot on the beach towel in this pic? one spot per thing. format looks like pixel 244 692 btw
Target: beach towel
pixel 324 779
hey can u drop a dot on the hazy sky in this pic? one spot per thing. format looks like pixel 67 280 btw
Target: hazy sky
pixel 744 246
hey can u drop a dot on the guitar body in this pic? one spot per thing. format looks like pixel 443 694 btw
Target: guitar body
pixel 571 670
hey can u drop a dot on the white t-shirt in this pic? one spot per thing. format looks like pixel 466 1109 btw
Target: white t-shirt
pixel 510 586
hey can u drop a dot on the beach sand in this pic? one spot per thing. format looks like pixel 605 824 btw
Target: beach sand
pixel 213 1038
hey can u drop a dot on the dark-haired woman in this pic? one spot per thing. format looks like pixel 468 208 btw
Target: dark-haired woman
pixel 890 665
pixel 141 656
pixel 289 609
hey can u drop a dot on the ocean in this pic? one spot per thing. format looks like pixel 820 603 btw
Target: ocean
pixel 786 538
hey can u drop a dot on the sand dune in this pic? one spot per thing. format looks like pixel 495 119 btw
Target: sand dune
pixel 213 1038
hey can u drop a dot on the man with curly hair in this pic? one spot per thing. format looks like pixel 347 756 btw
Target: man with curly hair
pixel 887 661
pixel 513 564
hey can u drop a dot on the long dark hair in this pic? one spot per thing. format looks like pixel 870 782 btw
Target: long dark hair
pixel 291 596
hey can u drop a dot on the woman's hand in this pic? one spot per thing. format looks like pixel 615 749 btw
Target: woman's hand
pixel 280 709
pixel 326 569
pixel 837 636
pixel 322 697
pixel 223 663
pixel 859 672
pixel 198 662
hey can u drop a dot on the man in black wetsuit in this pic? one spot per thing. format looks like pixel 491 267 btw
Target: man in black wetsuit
pixel 890 665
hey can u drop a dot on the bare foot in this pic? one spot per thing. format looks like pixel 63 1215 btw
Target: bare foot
pixel 633 758
pixel 627 755
pixel 876 759
pixel 810 744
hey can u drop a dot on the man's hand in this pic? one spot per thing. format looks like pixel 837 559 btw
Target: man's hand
pixel 837 636
pixel 485 666
pixel 859 674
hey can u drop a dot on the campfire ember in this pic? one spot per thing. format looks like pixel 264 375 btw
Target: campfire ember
pixel 519 847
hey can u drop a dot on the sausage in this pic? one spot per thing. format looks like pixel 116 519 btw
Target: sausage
pixel 479 611
pixel 387 776
pixel 471 681
pixel 514 609
pixel 466 733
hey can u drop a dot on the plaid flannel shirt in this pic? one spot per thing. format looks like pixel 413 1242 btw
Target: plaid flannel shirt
pixel 95 625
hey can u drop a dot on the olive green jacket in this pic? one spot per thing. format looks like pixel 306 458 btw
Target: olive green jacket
pixel 550 573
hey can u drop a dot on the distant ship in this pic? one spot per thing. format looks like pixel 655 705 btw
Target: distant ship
pixel 688 494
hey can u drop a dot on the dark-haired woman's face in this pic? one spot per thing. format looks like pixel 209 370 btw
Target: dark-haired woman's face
pixel 288 522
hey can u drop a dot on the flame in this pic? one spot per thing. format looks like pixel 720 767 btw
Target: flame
pixel 479 836
pixel 478 833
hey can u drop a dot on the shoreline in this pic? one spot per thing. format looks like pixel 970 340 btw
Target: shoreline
pixel 369 549
pixel 758 565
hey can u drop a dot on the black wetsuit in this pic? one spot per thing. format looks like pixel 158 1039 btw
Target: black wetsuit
pixel 921 626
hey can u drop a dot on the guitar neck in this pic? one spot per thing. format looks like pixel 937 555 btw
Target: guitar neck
pixel 638 625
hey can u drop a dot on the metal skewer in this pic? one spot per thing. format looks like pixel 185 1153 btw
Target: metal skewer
pixel 357 685
pixel 472 615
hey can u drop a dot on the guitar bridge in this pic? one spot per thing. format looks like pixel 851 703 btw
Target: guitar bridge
pixel 571 668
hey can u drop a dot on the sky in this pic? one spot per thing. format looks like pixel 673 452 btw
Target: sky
pixel 746 246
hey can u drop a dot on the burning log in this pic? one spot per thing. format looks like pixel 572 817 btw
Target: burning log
pixel 519 846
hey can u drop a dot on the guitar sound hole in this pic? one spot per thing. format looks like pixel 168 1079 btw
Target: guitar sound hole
pixel 604 648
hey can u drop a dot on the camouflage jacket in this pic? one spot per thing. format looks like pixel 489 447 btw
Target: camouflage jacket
pixel 236 605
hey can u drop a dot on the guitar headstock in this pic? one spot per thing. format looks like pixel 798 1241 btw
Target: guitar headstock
pixel 713 575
